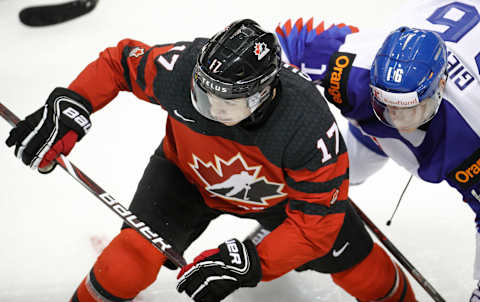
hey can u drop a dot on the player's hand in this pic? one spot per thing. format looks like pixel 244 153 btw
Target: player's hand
pixel 51 130
pixel 215 274
pixel 476 294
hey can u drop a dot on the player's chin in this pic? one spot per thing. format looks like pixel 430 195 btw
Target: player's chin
pixel 407 130
pixel 405 127
pixel 229 123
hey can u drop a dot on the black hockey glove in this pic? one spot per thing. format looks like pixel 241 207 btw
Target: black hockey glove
pixel 51 130
pixel 215 274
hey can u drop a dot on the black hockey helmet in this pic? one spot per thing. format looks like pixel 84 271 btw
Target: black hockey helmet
pixel 235 72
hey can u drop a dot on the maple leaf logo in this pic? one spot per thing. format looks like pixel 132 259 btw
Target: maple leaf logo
pixel 136 52
pixel 235 180
pixel 260 50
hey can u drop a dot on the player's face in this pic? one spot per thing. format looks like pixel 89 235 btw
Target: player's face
pixel 228 112
pixel 211 98
pixel 407 119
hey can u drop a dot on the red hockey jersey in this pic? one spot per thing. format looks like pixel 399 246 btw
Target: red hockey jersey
pixel 297 156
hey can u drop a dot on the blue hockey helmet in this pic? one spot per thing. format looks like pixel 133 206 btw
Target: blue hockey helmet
pixel 407 78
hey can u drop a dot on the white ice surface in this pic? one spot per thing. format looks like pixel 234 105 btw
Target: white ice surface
pixel 51 228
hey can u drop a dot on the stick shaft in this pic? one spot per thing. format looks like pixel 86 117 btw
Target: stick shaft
pixel 398 255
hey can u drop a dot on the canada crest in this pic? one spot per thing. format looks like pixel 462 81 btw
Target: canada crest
pixel 136 52
pixel 261 50
pixel 234 180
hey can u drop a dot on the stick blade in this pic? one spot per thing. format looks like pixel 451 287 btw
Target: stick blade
pixel 54 14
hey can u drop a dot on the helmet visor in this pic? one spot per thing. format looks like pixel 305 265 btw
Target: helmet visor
pixel 403 111
pixel 226 111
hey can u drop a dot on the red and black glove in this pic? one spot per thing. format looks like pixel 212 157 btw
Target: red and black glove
pixel 51 130
pixel 215 274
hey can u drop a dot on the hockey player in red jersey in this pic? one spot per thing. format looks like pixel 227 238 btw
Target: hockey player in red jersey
pixel 243 137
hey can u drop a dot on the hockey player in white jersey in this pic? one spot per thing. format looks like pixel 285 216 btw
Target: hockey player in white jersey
pixel 411 94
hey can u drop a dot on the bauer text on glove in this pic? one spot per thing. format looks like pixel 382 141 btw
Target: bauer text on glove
pixel 216 273
pixel 51 130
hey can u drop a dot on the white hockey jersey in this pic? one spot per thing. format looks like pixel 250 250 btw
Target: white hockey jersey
pixel 445 149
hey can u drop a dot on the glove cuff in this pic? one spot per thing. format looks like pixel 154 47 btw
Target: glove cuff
pixel 60 91
pixel 72 109
pixel 256 270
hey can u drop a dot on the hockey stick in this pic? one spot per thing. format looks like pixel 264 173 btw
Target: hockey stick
pixel 56 13
pixel 259 233
pixel 398 255
pixel 127 216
